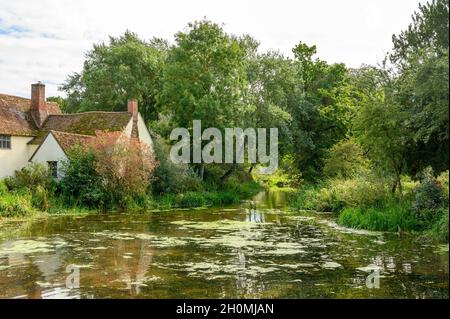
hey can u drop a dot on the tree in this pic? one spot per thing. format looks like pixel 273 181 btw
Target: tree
pixel 205 79
pixel 127 67
pixel 272 86
pixel 423 92
pixel 346 159
pixel 320 109
pixel 420 56
pixel 428 30
pixel 380 125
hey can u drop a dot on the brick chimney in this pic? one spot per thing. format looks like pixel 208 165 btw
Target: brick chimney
pixel 133 109
pixel 39 110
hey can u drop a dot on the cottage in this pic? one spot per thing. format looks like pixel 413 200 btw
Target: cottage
pixel 34 130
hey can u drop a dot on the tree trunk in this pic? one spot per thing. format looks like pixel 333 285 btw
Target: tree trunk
pixel 228 173
pixel 201 171
pixel 397 184
pixel 394 187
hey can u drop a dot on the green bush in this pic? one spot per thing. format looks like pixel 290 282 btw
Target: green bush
pixel 199 199
pixel 81 184
pixel 35 180
pixel 241 189
pixel 3 188
pixel 439 229
pixel 191 199
pixel 443 182
pixel 334 195
pixel 306 198
pixel 30 177
pixel 40 198
pixel 429 197
pixel 171 178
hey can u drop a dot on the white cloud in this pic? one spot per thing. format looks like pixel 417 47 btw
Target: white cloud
pixel 46 39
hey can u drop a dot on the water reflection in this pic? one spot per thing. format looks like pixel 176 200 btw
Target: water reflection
pixel 254 216
pixel 258 251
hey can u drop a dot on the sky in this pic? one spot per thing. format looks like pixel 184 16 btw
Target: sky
pixel 46 40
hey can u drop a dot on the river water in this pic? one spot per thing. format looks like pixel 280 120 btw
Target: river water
pixel 258 249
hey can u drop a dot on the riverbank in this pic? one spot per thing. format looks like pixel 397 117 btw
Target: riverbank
pixel 361 203
pixel 25 203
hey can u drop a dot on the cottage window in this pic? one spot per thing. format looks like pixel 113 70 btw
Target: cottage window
pixel 53 167
pixel 5 142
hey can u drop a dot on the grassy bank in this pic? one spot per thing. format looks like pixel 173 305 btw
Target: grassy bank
pixel 368 203
pixel 227 196
pixel 25 203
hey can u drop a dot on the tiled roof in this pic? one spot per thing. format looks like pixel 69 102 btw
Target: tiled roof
pixel 69 140
pixel 15 117
pixel 83 123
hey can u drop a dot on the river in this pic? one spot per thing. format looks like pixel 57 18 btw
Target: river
pixel 258 249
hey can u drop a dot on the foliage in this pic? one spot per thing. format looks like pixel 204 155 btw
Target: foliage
pixel 443 180
pixel 171 178
pixel 204 77
pixel 429 196
pixel 127 67
pixel 125 166
pixel 3 187
pixel 30 177
pixel 393 216
pixel 110 171
pixel 320 110
pixel 197 199
pixel 31 187
pixel 16 204
pixel 439 229
pixel 336 194
pixel 81 184
pixel 345 160
pixel 429 29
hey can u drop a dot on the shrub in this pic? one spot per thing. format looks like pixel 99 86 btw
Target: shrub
pixel 35 180
pixel 40 198
pixel 3 188
pixel 125 166
pixel 439 229
pixel 81 183
pixel 429 197
pixel 336 194
pixel 110 171
pixel 360 191
pixel 171 178
pixel 30 177
pixel 191 199
pixel 306 197
pixel 443 181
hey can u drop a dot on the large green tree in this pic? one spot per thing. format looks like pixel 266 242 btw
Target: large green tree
pixel 420 57
pixel 126 67
pixel 205 79
pixel 320 110
pixel 429 30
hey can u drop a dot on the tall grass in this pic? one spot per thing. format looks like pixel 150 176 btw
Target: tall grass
pixel 16 204
pixel 393 216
